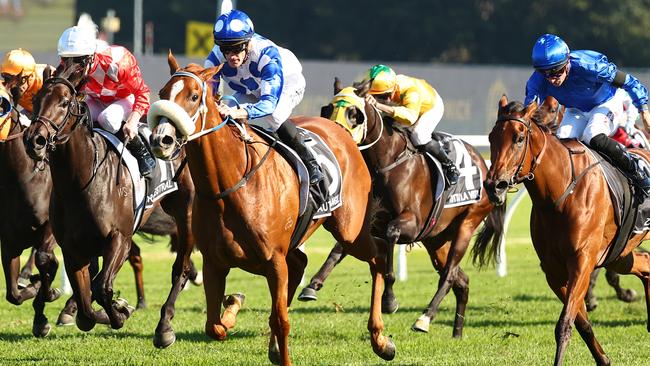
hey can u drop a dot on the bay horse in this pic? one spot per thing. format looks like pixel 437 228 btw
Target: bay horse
pixel 404 188
pixel 92 204
pixel 572 220
pixel 550 114
pixel 24 220
pixel 250 225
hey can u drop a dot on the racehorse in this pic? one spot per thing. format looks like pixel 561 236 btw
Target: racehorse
pixel 92 203
pixel 24 219
pixel 572 219
pixel 404 189
pixel 250 225
pixel 550 114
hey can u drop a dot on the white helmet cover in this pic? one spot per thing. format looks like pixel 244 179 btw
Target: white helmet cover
pixel 77 41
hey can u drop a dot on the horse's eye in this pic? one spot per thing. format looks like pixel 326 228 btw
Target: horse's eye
pixel 65 103
pixel 520 139
pixel 195 97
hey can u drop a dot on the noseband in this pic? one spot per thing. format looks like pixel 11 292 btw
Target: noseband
pixel 516 178
pixel 75 108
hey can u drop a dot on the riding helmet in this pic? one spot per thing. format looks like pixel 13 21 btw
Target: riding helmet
pixel 382 79
pixel 550 52
pixel 232 28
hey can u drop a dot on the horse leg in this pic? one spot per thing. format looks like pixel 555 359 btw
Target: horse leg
pixel 590 299
pixel 214 285
pixel 69 311
pixel 135 259
pixel 278 281
pixel 625 295
pixel 47 266
pixel 182 242
pixel 404 224
pixel 114 254
pixel 10 266
pixel 26 271
pixel 587 334
pixel 77 271
pixel 316 283
pixel 638 264
pixel 296 262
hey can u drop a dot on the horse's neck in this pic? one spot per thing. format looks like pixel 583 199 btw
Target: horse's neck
pixel 387 147
pixel 72 161
pixel 552 176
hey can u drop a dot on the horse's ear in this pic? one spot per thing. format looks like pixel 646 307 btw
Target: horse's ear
pixel 48 71
pixel 503 101
pixel 173 64
pixel 337 85
pixel 551 102
pixel 208 73
pixel 531 108
pixel 361 88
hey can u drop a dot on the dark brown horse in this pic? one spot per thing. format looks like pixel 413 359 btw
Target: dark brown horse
pixel 92 204
pixel 550 114
pixel 250 225
pixel 404 188
pixel 572 220
pixel 24 221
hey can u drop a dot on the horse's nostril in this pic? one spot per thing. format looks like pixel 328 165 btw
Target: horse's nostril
pixel 167 140
pixel 39 141
pixel 501 185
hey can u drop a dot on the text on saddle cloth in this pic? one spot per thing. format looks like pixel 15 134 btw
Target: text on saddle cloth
pixel 470 182
pixel 328 163
pixel 145 191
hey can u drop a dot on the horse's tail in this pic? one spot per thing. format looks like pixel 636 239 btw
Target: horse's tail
pixel 486 247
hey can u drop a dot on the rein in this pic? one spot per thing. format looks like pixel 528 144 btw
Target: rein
pixel 516 178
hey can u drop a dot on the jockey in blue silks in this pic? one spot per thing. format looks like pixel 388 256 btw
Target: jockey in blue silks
pixel 267 80
pixel 593 90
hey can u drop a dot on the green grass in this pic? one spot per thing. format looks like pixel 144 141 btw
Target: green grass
pixel 509 321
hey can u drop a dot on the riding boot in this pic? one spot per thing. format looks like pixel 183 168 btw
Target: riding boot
pixel 621 159
pixel 434 148
pixel 146 162
pixel 295 139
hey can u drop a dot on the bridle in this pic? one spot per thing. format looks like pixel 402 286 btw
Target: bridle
pixel 75 108
pixel 516 177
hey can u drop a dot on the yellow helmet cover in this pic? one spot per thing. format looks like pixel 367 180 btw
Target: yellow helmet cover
pixel 383 79
pixel 17 61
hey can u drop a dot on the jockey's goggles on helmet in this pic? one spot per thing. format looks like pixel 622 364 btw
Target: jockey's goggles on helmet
pixel 554 71
pixel 9 78
pixel 233 48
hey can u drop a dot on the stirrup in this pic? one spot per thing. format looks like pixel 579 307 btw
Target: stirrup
pixel 452 174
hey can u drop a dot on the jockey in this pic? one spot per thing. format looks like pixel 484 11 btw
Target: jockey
pixel 24 77
pixel 267 80
pixel 418 106
pixel 116 93
pixel 592 89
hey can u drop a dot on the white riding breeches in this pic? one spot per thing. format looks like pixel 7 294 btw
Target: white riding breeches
pixel 292 93
pixel 585 125
pixel 110 116
pixel 422 129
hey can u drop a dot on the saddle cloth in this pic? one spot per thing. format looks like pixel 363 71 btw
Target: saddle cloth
pixel 145 191
pixel 631 213
pixel 327 162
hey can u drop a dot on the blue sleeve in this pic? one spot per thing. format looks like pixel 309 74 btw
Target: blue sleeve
pixel 271 83
pixel 606 71
pixel 535 88
pixel 213 61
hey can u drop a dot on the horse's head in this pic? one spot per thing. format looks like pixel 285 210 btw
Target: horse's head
pixel 510 145
pixel 55 105
pixel 349 109
pixel 187 93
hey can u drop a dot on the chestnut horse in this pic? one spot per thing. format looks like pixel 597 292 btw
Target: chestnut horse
pixel 24 220
pixel 572 220
pixel 92 204
pixel 405 193
pixel 250 225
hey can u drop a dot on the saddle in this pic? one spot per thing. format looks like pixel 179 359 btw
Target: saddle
pixel 311 204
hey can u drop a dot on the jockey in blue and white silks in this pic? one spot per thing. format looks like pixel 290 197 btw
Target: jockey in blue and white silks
pixel 593 90
pixel 267 80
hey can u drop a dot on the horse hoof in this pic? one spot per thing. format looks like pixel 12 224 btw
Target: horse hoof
pixel 389 306
pixel 23 283
pixel 388 353
pixel 41 330
pixel 65 319
pixel 233 298
pixel 274 354
pixel 123 307
pixel 628 296
pixel 141 305
pixel 164 340
pixel 422 324
pixel 591 305
pixel 308 294
pixel 54 295
pixel 198 280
